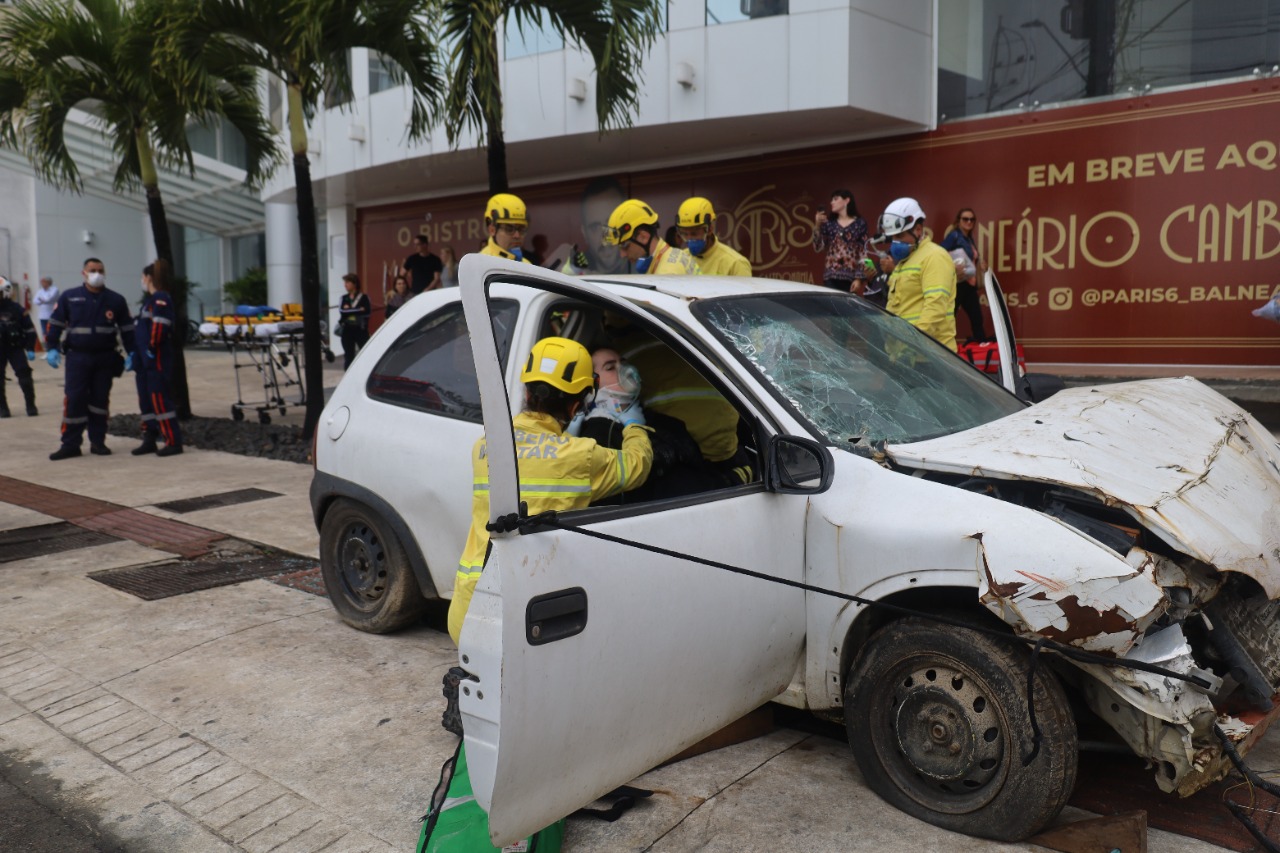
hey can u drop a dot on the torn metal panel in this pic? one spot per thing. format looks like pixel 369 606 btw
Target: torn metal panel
pixel 1100 605
pixel 1208 485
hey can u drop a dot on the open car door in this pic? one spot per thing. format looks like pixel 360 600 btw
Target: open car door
pixel 1030 387
pixel 1003 326
pixel 595 661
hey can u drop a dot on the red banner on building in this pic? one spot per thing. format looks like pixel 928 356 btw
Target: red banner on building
pixel 1130 231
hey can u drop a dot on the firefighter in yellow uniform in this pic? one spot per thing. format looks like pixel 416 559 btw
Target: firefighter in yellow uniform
pixel 558 471
pixel 671 385
pixel 922 289
pixel 633 228
pixel 696 223
pixel 507 219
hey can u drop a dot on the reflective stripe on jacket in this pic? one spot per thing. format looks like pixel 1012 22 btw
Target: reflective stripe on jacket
pixel 90 321
pixel 557 472
pixel 922 291
pixel 722 260
pixel 668 260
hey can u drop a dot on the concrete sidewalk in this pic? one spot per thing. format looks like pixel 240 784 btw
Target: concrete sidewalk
pixel 248 717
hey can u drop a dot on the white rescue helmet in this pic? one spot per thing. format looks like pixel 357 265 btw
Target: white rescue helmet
pixel 6 288
pixel 901 215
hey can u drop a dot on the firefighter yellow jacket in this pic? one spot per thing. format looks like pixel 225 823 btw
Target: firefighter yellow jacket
pixel 493 250
pixel 922 291
pixel 668 260
pixel 557 472
pixel 722 260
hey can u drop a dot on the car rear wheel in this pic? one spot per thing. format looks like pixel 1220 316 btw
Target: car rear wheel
pixel 938 722
pixel 366 571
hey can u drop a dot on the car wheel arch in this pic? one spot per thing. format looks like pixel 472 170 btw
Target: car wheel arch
pixel 947 600
pixel 326 489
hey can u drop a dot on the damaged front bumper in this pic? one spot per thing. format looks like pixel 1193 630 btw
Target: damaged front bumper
pixel 1171 722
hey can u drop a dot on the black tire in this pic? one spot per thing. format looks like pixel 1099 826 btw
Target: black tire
pixel 264 417
pixel 237 414
pixel 366 571
pixel 937 719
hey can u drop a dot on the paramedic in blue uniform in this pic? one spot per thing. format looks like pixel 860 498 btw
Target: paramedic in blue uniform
pixel 153 336
pixel 85 324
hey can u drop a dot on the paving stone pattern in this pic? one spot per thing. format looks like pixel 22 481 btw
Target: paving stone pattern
pixel 245 808
pixel 245 438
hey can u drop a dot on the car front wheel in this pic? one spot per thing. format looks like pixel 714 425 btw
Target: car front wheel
pixel 938 722
pixel 366 571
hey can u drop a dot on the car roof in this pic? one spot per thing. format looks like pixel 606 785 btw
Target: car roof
pixel 693 287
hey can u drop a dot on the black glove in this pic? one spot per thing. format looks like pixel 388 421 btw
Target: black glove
pixel 579 258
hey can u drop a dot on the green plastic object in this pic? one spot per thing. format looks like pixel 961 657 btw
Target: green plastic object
pixel 461 826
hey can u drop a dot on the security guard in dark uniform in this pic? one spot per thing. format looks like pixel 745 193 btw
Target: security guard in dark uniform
pixel 17 347
pixel 153 335
pixel 91 317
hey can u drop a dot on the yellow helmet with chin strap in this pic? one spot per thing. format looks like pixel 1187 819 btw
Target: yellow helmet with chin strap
pixel 695 212
pixel 561 363
pixel 506 209
pixel 626 218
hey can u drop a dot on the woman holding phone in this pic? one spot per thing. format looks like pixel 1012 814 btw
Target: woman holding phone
pixel 842 234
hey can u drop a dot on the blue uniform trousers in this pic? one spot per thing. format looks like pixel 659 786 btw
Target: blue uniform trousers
pixel 88 390
pixel 17 359
pixel 155 401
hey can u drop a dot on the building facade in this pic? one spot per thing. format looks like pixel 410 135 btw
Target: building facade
pixel 1118 155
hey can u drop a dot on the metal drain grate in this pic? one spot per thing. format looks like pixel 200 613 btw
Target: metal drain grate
pixel 239 496
pixel 45 539
pixel 165 580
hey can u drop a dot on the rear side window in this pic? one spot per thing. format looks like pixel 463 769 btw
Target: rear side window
pixel 429 367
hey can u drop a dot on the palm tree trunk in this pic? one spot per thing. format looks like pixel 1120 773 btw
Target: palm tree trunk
pixel 164 250
pixel 495 142
pixel 496 151
pixel 313 378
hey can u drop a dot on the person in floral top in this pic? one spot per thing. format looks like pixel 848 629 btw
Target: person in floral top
pixel 842 234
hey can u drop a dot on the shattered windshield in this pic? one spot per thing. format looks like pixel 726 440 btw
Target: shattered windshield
pixel 857 374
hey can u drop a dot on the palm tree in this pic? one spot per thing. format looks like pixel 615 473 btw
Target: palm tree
pixel 305 44
pixel 99 56
pixel 617 34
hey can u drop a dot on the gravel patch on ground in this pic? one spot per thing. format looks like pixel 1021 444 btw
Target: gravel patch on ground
pixel 266 441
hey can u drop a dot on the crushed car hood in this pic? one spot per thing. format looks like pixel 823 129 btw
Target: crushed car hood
pixel 1197 470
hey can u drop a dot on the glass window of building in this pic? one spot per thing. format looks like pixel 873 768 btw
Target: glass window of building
pixel 539 36
pixel 197 256
pixel 247 251
pixel 380 79
pixel 996 55
pixel 728 11
pixel 530 37
pixel 203 139
pixel 335 96
pixel 235 151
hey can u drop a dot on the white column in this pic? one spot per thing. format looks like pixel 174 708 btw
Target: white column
pixel 284 256
pixel 340 223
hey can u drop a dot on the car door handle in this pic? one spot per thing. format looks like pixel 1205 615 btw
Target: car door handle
pixel 555 616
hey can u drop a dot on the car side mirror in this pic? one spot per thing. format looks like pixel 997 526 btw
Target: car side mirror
pixel 798 466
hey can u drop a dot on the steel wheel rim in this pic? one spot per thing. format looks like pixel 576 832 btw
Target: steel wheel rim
pixel 362 566
pixel 948 742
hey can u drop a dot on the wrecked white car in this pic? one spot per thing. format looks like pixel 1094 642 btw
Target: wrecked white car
pixel 1138 521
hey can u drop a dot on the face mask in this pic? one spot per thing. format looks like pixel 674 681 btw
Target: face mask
pixel 642 265
pixel 96 279
pixel 900 251
pixel 697 247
